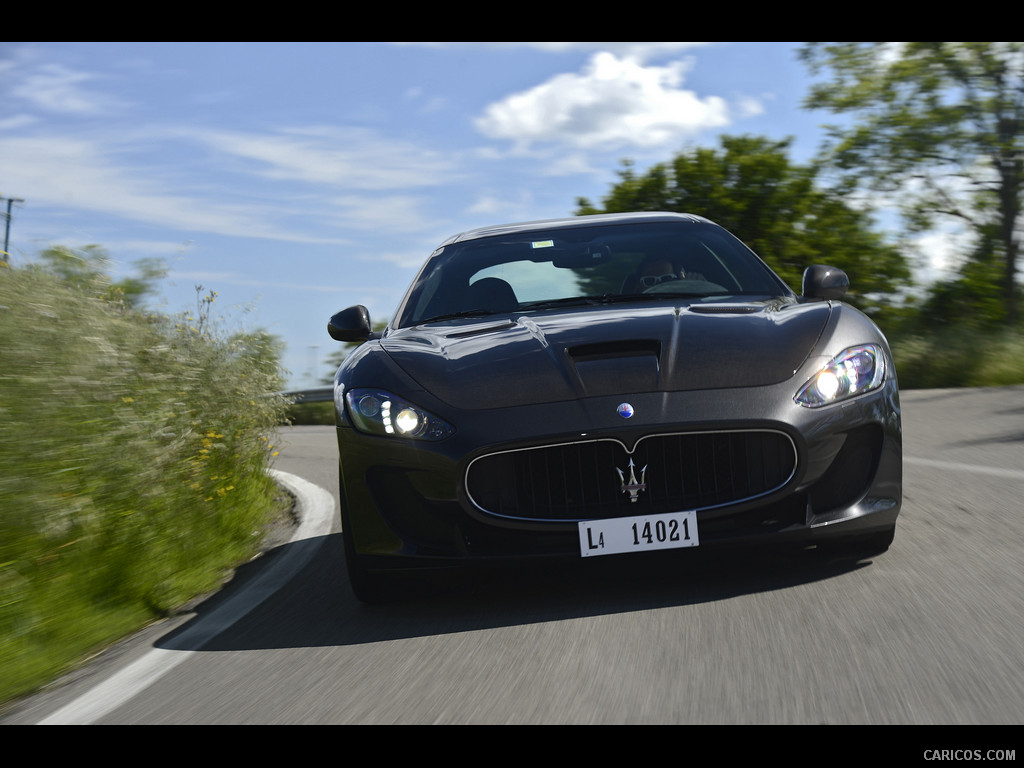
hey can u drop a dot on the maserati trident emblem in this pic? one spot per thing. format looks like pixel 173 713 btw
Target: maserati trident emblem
pixel 625 410
pixel 632 486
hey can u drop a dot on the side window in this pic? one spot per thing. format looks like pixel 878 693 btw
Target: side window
pixel 427 304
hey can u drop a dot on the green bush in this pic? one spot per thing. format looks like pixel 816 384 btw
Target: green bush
pixel 134 450
pixel 311 414
pixel 955 356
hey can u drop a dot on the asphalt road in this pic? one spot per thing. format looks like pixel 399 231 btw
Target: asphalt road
pixel 928 633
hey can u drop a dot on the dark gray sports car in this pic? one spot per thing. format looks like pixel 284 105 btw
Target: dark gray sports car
pixel 610 385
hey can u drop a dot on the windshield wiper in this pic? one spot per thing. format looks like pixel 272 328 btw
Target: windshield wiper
pixel 617 298
pixel 676 295
pixel 457 315
pixel 562 302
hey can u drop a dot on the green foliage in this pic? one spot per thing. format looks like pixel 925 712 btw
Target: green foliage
pixel 948 338
pixel 750 187
pixel 959 356
pixel 940 127
pixel 972 301
pixel 135 449
pixel 315 414
pixel 88 270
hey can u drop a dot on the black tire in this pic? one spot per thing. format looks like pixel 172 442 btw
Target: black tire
pixel 371 588
pixel 368 587
pixel 866 545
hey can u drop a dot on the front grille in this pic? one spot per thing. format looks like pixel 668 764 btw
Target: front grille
pixel 578 481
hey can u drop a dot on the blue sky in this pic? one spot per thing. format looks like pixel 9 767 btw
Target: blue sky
pixel 296 179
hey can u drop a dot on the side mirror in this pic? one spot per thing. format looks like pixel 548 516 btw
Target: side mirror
pixel 821 282
pixel 352 324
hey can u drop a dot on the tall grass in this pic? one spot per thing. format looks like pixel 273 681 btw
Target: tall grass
pixel 133 450
pixel 960 357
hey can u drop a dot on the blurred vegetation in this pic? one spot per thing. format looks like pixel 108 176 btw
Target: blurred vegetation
pixel 939 129
pixel 949 334
pixel 959 357
pixel 304 414
pixel 778 208
pixel 135 448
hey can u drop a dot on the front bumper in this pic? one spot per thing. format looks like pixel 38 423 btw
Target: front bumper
pixel 406 504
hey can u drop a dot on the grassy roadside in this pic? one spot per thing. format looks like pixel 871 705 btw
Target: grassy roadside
pixel 960 357
pixel 134 450
pixel 311 414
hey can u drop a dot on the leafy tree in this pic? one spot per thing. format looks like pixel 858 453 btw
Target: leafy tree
pixel 777 208
pixel 942 126
pixel 88 269
pixel 83 267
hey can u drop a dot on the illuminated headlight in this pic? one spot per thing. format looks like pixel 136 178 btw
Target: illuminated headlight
pixel 382 413
pixel 852 372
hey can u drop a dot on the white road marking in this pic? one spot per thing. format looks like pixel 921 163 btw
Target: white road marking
pixel 954 466
pixel 317 509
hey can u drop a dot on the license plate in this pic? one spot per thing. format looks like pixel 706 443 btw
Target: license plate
pixel 638 534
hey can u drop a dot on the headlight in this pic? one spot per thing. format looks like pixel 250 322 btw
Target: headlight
pixel 852 372
pixel 381 413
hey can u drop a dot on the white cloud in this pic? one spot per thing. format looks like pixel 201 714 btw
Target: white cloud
pixel 941 252
pixel 638 50
pixel 112 175
pixel 77 173
pixel 613 102
pixel 382 213
pixel 16 122
pixel 55 88
pixel 748 106
pixel 501 204
pixel 352 159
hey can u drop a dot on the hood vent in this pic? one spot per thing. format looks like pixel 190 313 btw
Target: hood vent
pixel 609 350
pixel 607 368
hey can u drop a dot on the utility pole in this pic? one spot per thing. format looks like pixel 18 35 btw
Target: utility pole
pixel 7 228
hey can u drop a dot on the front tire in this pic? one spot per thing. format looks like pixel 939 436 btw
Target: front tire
pixel 863 546
pixel 368 586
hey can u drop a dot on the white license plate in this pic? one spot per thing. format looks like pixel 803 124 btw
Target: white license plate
pixel 638 534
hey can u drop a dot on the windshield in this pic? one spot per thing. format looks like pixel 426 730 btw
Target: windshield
pixel 541 269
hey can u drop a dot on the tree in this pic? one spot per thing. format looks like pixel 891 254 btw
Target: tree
pixel 751 188
pixel 938 124
pixel 88 268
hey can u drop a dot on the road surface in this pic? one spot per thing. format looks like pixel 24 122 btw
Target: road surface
pixel 928 633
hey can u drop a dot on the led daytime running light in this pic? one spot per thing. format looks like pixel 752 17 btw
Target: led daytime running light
pixel 853 372
pixel 377 412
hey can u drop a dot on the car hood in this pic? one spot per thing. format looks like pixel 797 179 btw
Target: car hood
pixel 501 361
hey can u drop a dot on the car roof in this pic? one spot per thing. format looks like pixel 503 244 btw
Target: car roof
pixel 575 221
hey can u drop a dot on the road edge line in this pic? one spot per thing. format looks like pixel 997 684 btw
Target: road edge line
pixel 316 515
